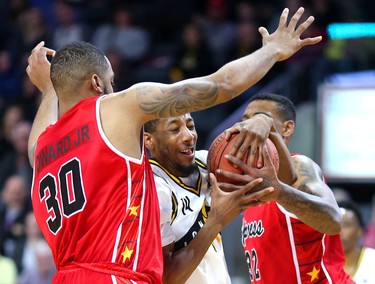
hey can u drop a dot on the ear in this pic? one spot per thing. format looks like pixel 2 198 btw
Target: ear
pixel 97 84
pixel 288 129
pixel 149 140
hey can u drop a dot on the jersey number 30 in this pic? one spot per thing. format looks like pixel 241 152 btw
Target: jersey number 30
pixel 72 194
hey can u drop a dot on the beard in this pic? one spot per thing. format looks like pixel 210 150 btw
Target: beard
pixel 186 170
pixel 105 90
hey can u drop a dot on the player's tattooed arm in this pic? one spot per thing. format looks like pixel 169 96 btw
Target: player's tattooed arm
pixel 232 79
pixel 313 203
pixel 307 173
pixel 310 177
pixel 176 99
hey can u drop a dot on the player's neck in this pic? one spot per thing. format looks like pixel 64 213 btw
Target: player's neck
pixel 66 103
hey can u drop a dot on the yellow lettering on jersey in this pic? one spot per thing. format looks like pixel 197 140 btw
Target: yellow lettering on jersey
pixel 133 210
pixel 126 254
pixel 314 274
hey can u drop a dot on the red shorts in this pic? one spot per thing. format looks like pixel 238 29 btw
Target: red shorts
pixel 99 273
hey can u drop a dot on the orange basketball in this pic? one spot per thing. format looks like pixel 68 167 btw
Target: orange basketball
pixel 219 147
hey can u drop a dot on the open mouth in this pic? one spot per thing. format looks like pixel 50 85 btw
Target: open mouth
pixel 188 151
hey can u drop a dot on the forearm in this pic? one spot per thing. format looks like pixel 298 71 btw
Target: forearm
pixel 157 100
pixel 312 210
pixel 287 172
pixel 38 71
pixel 166 100
pixel 237 76
pixel 186 260
pixel 46 115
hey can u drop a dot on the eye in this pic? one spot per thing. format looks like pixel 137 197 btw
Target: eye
pixel 174 130
pixel 191 127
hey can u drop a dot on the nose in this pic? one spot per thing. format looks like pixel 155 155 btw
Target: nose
pixel 188 135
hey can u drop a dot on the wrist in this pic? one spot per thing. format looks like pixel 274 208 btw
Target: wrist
pixel 263 117
pixel 275 51
pixel 48 91
pixel 214 224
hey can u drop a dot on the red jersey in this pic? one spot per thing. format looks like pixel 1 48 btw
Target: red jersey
pixel 97 208
pixel 279 248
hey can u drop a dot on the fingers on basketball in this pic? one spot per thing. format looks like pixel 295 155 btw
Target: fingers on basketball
pixel 220 147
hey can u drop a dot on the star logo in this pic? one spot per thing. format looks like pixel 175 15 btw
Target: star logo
pixel 133 210
pixel 314 274
pixel 126 254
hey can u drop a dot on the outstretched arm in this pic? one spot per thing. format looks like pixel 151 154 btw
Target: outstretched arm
pixel 178 266
pixel 38 71
pixel 160 100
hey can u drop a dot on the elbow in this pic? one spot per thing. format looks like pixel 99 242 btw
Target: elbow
pixel 290 178
pixel 335 229
pixel 335 225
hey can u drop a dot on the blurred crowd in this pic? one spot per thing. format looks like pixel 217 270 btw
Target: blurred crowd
pixel 145 40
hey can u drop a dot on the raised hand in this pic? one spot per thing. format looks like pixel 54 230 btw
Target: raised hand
pixel 287 37
pixel 39 67
pixel 267 173
pixel 253 133
pixel 226 206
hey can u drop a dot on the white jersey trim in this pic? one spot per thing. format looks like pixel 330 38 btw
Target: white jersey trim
pixel 322 262
pixel 136 258
pixel 293 248
pixel 108 143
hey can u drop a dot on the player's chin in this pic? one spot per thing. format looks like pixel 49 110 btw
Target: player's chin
pixel 186 167
pixel 186 161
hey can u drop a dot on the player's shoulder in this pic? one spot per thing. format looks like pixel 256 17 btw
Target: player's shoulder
pixel 157 169
pixel 307 167
pixel 161 183
pixel 120 98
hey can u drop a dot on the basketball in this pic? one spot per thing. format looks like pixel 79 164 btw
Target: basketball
pixel 219 147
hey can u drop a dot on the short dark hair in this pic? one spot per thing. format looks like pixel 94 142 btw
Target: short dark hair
pixel 286 108
pixel 349 205
pixel 150 126
pixel 75 62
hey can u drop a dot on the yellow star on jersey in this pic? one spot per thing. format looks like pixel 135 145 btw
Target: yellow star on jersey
pixel 133 210
pixel 314 274
pixel 126 254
